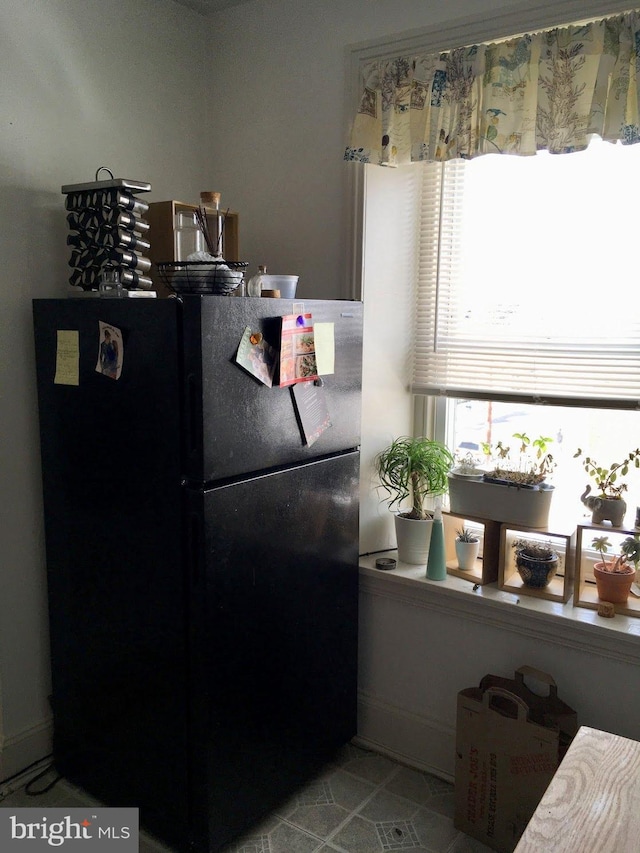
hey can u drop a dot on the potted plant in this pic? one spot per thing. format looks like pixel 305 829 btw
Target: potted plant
pixel 528 468
pixel 608 504
pixel 414 469
pixel 467 546
pixel 615 576
pixel 536 562
pixel 467 467
pixel 513 488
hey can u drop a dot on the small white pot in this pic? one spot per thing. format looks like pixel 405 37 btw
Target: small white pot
pixel 467 553
pixel 413 537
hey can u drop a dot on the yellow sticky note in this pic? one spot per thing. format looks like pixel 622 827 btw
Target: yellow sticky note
pixel 67 358
pixel 325 347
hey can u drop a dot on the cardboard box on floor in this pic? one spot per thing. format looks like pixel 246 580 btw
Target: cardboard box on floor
pixel 509 743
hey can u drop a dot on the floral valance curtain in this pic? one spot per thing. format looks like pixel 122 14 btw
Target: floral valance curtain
pixel 549 90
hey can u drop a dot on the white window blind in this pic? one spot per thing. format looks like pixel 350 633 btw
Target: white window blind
pixel 528 287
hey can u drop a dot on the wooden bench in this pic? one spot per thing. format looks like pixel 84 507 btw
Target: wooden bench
pixel 593 801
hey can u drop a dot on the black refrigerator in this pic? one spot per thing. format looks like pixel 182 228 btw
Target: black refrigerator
pixel 201 557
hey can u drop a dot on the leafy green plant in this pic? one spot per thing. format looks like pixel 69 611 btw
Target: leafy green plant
pixel 606 479
pixel 530 464
pixel 629 553
pixel 414 468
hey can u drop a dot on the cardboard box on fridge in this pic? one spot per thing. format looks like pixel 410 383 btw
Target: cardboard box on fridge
pixel 509 742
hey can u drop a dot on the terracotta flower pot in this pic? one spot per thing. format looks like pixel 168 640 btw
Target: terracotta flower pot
pixel 613 586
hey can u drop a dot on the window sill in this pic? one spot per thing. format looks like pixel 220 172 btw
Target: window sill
pixel 617 638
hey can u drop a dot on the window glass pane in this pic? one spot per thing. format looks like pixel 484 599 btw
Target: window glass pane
pixel 605 435
pixel 545 243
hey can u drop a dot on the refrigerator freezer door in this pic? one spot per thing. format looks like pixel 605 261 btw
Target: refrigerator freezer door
pixel 237 425
pixel 274 591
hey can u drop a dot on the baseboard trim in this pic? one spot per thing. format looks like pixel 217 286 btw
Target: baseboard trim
pixel 25 748
pixel 414 739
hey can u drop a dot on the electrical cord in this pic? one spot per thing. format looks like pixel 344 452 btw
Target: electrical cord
pixel 6 787
pixel 25 769
pixel 31 793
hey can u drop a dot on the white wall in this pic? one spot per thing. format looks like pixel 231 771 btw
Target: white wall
pixel 389 263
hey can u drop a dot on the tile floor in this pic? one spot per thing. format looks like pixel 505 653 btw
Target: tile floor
pixel 361 803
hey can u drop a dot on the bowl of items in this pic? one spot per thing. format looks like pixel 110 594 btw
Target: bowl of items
pixel 197 276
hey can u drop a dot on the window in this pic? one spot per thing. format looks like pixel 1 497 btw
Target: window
pixel 606 435
pixel 527 278
pixel 528 308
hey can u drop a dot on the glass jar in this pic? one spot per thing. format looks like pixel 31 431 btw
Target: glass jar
pixel 254 286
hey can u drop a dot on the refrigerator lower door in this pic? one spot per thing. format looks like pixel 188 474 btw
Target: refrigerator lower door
pixel 273 592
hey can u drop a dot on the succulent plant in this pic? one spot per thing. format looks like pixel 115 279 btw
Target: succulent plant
pixel 534 548
pixel 467 535
pixel 629 553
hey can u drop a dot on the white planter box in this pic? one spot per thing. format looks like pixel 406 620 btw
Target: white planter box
pixel 507 504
